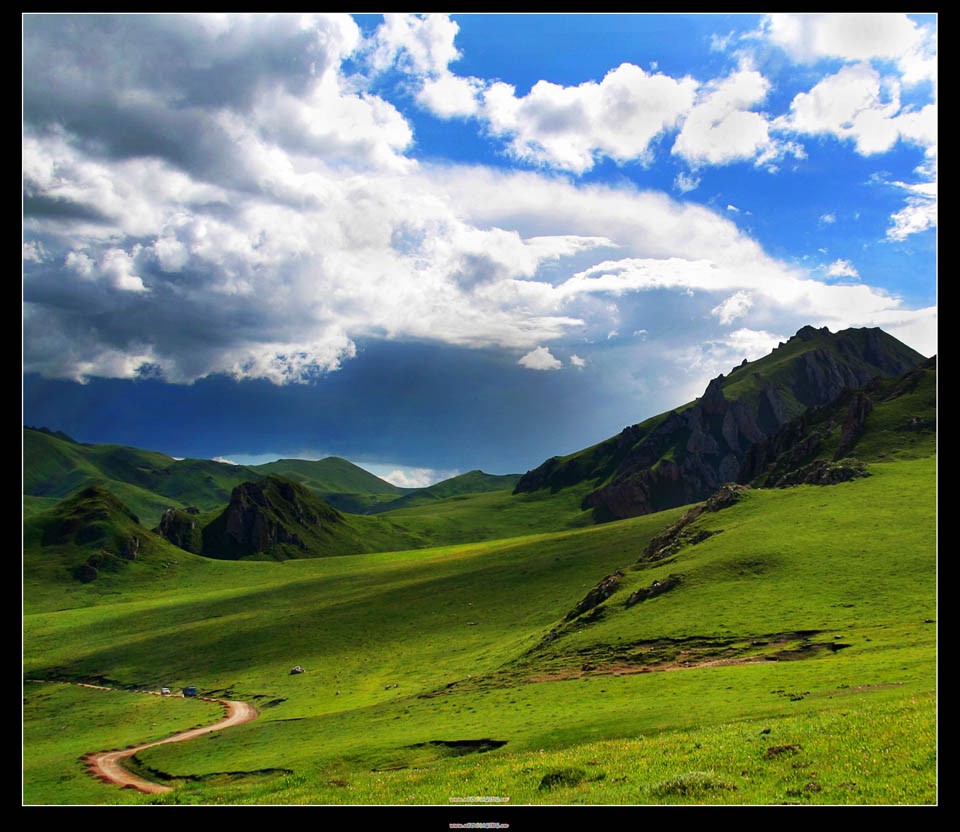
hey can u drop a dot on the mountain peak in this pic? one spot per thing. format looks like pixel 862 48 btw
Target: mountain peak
pixel 684 456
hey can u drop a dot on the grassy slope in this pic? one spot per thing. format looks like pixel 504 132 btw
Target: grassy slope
pixel 855 561
pixel 791 559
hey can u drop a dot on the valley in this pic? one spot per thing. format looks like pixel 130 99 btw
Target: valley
pixel 589 632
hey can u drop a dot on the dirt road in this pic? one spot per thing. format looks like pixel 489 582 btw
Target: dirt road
pixel 106 765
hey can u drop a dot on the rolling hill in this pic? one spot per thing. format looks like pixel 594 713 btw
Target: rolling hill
pixel 773 644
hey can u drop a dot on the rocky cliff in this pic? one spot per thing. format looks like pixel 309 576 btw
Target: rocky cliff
pixel 687 454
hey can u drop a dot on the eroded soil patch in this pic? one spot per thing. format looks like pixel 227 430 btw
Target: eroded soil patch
pixel 651 656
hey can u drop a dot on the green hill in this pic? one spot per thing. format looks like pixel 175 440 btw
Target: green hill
pixel 55 466
pixel 685 455
pixel 277 519
pixel 147 481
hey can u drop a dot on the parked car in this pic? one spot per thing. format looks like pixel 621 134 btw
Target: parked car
pixel 164 691
pixel 190 690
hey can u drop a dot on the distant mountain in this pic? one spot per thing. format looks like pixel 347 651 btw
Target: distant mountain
pixel 685 455
pixel 473 482
pixel 55 466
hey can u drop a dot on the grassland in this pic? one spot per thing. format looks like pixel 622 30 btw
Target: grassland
pixel 676 699
pixel 63 722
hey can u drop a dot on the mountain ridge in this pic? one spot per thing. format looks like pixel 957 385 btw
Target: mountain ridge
pixel 686 454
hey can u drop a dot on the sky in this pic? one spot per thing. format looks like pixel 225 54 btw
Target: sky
pixel 436 243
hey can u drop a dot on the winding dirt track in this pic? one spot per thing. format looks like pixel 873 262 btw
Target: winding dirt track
pixel 106 765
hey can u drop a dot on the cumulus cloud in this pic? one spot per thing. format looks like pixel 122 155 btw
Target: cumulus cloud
pixel 842 268
pixel 857 102
pixel 540 359
pixel 857 37
pixel 577 361
pixel 568 127
pixel 854 103
pixel 421 44
pixel 253 212
pixel 721 128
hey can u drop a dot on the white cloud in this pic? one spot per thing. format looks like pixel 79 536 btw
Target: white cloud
pixel 222 459
pixel 828 219
pixel 735 306
pixel 416 477
pixel 272 223
pixel 854 103
pixel 858 103
pixel 421 44
pixel 685 182
pixel 540 359
pixel 919 213
pixel 857 37
pixel 450 95
pixel 720 128
pixel 567 127
pixel 577 361
pixel 842 268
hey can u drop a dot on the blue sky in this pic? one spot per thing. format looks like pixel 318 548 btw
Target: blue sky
pixel 437 243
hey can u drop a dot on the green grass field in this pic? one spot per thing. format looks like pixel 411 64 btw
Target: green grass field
pixel 423 682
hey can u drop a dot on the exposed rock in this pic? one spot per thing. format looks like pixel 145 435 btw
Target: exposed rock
pixel 180 528
pixel 672 538
pixel 822 472
pixel 261 515
pixel 130 547
pixel 685 455
pixel 853 421
pixel 656 588
pixel 247 525
pixel 598 594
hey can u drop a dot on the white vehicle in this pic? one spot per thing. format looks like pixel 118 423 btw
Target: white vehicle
pixel 164 691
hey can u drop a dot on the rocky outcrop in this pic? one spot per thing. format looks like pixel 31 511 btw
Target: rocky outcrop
pixel 712 435
pixel 823 472
pixel 834 431
pixel 685 455
pixel 180 527
pixel 677 534
pixel 274 512
pixel 248 525
pixel 597 595
pixel 652 591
